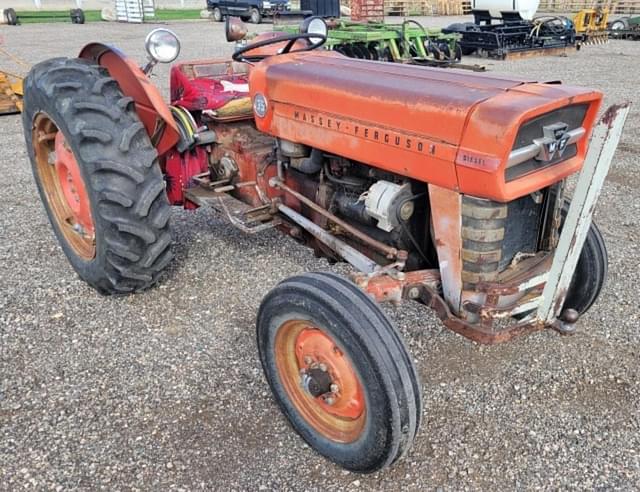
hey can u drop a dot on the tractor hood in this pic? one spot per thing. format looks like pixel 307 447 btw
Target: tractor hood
pixel 425 123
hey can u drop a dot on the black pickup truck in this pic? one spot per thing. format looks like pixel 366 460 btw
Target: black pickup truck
pixel 247 10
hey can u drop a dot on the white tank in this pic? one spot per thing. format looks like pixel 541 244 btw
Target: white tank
pixel 526 8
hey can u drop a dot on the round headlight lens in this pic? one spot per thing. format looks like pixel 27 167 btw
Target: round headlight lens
pixel 315 25
pixel 162 45
pixel 260 105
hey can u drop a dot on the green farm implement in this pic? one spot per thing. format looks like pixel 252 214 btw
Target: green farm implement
pixel 409 42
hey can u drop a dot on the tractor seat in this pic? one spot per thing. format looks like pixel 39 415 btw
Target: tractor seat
pixel 219 89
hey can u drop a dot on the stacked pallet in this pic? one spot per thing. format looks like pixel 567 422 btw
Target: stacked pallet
pixel 408 7
pixel 449 7
pixel 427 7
pixel 621 7
pixel 367 10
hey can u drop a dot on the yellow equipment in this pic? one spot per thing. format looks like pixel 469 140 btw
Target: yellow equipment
pixel 10 94
pixel 11 87
pixel 591 25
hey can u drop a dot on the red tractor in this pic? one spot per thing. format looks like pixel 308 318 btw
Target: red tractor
pixel 439 186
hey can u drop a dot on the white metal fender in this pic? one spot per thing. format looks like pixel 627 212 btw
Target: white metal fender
pixel 604 141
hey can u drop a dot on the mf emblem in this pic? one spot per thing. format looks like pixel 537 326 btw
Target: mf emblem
pixel 554 141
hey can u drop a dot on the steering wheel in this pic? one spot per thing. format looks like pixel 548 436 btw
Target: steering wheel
pixel 238 56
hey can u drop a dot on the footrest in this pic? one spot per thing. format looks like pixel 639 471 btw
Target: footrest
pixel 246 218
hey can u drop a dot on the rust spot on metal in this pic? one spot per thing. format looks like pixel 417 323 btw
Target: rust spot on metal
pixel 609 116
pixel 385 288
pixel 562 295
pixel 478 332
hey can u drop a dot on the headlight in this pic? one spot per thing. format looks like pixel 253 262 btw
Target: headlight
pixel 162 45
pixel 266 5
pixel 314 25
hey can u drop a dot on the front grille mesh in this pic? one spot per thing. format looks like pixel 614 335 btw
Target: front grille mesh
pixel 493 233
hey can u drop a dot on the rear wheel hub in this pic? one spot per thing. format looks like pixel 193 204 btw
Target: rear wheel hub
pixel 64 187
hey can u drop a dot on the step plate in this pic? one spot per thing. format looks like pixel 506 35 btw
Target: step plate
pixel 250 220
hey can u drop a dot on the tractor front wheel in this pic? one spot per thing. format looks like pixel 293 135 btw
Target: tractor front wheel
pixel 339 371
pixel 217 14
pixel 591 271
pixel 97 175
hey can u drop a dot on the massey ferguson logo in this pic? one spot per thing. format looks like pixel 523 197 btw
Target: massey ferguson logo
pixel 554 141
pixel 401 140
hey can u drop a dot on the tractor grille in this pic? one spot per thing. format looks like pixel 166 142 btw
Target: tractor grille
pixel 572 116
pixel 493 233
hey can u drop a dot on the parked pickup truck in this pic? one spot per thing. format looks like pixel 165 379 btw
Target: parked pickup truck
pixel 247 10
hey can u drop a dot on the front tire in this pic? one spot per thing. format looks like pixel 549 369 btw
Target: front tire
pixel 339 371
pixel 590 273
pixel 255 17
pixel 217 14
pixel 97 175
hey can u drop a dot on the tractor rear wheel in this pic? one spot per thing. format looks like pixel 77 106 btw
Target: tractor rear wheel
pixel 97 175
pixel 339 371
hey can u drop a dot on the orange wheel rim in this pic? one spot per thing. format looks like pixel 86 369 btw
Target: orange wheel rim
pixel 320 381
pixel 63 186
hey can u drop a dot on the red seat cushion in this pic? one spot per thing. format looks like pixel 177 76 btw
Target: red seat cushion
pixel 206 92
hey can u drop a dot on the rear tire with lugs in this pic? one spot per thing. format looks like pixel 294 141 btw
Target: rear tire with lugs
pixel 120 242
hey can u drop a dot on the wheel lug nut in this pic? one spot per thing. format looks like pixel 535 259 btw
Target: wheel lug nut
pixel 334 388
pixel 307 360
pixel 329 400
pixel 323 367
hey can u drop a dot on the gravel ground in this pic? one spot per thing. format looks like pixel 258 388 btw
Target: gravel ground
pixel 164 390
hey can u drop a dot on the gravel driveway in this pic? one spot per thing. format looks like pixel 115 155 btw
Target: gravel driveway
pixel 164 390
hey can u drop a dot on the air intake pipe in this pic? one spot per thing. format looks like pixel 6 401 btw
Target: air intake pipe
pixel 308 165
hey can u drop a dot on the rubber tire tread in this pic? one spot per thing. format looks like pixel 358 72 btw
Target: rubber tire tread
pixel 406 365
pixel 119 166
pixel 11 17
pixel 591 271
pixel 380 348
